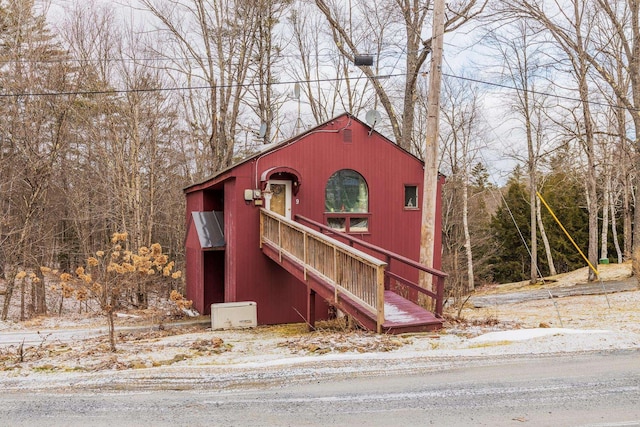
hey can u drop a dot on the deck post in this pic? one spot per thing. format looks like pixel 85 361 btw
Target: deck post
pixel 311 309
pixel 305 251
pixel 280 239
pixel 439 296
pixel 380 298
pixel 261 228
pixel 387 279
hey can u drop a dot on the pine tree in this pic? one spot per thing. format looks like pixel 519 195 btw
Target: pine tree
pixel 566 198
pixel 509 224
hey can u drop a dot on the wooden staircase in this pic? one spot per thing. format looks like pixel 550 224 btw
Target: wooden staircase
pixel 349 279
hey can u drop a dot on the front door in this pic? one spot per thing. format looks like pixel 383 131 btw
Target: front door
pixel 280 198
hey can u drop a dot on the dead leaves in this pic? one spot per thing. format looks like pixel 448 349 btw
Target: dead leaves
pixel 360 342
pixel 139 350
pixel 211 346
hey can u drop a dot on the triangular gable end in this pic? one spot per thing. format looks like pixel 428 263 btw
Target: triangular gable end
pixel 300 137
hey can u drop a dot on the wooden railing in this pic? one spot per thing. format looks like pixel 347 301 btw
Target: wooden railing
pixel 351 271
pixel 438 276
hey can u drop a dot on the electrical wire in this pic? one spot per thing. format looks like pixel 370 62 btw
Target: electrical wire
pixel 168 89
pixel 519 231
pixel 292 82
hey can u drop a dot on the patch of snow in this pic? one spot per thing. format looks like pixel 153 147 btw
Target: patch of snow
pixel 527 334
pixel 190 312
pixel 395 314
pixel 127 316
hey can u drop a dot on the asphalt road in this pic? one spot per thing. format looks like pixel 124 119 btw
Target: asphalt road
pixel 592 389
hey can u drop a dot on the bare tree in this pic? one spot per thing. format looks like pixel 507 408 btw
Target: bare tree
pixel 461 140
pixel 33 132
pixel 358 27
pixel 519 50
pixel 617 145
pixel 124 138
pixel 211 45
pixel 620 45
pixel 572 28
pixel 327 80
pixel 268 54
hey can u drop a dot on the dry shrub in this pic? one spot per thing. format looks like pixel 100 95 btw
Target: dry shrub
pixel 489 320
pixel 337 324
pixel 181 304
pixel 114 275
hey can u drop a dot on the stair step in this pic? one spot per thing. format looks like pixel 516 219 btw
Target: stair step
pixel 402 315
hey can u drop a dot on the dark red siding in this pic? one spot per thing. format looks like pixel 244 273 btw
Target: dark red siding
pixel 315 156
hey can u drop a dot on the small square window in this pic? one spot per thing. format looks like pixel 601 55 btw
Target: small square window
pixel 411 196
pixel 358 225
pixel 337 223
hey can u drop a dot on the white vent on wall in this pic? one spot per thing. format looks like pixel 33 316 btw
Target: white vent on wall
pixel 234 315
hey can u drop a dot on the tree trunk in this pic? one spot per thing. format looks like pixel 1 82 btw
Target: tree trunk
pixel 627 218
pixel 467 237
pixel 22 298
pixel 112 331
pixel 614 232
pixel 11 282
pixel 534 234
pixel 592 206
pixel 606 201
pixel 545 240
pixel 41 294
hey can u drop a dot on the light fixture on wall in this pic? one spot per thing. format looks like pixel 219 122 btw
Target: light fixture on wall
pixel 267 191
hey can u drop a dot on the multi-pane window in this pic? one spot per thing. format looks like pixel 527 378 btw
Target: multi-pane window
pixel 347 202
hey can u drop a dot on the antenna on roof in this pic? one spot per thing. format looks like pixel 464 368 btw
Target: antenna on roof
pixel 263 130
pixel 372 118
pixel 296 91
pixel 296 95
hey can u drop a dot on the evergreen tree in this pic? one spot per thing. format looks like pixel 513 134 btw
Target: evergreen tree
pixel 565 195
pixel 511 260
pixel 566 198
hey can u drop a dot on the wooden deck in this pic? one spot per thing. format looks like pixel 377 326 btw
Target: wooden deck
pixel 346 278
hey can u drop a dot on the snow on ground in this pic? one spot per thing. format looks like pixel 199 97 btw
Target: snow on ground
pixel 528 334
pixel 54 351
pixel 198 346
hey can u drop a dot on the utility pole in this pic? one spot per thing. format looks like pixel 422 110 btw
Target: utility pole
pixel 430 185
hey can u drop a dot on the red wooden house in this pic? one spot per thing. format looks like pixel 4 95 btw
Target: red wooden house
pixel 333 212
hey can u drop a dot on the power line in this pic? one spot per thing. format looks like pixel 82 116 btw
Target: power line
pixel 536 92
pixel 292 82
pixel 168 89
pixel 164 58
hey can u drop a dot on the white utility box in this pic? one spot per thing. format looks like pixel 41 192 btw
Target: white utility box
pixel 233 315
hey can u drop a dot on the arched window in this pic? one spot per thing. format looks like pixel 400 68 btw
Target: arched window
pixel 346 199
